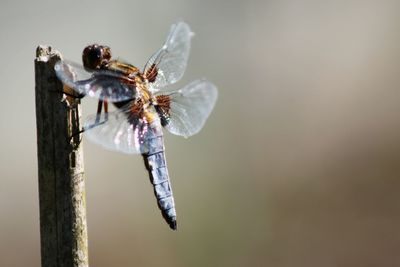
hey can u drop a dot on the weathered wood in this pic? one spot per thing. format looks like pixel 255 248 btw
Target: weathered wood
pixel 63 228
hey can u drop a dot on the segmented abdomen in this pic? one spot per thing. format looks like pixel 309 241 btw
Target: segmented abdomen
pixel 156 165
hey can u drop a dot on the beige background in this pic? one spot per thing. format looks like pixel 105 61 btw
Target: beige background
pixel 298 165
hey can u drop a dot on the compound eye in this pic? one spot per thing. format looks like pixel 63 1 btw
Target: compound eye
pixel 92 57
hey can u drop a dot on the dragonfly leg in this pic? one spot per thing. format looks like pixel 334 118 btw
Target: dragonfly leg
pixel 98 113
pixel 105 110
pixel 97 121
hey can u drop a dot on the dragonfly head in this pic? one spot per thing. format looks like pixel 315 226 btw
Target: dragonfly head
pixel 95 56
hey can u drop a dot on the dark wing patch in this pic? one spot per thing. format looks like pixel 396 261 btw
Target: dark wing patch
pixel 163 108
pixel 151 73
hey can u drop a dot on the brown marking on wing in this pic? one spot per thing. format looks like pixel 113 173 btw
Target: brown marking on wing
pixel 138 111
pixel 137 108
pixel 163 108
pixel 164 102
pixel 151 73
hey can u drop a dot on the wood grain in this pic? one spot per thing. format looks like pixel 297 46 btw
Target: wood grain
pixel 63 227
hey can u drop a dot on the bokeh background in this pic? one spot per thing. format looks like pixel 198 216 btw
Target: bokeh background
pixel 298 165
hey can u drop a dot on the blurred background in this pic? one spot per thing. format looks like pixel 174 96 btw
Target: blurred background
pixel 298 165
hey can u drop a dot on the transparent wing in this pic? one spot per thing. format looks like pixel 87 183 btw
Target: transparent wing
pixel 101 84
pixel 171 59
pixel 120 131
pixel 190 107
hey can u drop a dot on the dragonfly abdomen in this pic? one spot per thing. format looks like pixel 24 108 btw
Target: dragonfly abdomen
pixel 156 165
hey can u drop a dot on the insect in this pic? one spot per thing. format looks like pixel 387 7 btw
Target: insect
pixel 143 105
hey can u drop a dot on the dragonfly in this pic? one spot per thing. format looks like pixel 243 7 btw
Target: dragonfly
pixel 144 104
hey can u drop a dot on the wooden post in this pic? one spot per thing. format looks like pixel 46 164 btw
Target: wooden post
pixel 63 228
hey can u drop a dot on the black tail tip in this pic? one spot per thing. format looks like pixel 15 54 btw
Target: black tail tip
pixel 172 224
